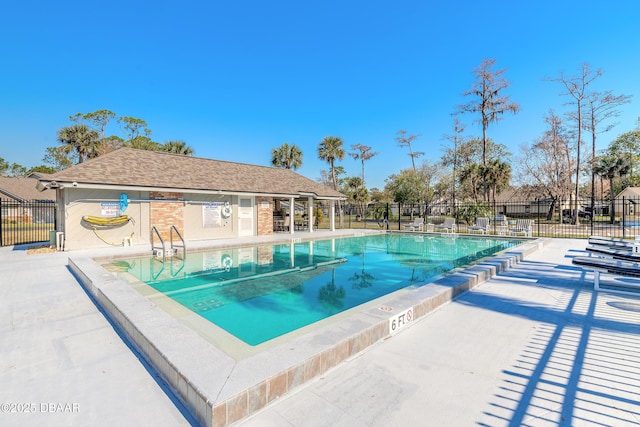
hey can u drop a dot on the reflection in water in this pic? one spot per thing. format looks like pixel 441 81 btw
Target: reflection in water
pixel 330 296
pixel 263 292
pixel 362 280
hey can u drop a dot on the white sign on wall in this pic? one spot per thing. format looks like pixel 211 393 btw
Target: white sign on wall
pixel 212 214
pixel 109 209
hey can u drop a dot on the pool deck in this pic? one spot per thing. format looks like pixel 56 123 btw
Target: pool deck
pixel 533 345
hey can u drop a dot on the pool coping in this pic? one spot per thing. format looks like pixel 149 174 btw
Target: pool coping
pixel 220 390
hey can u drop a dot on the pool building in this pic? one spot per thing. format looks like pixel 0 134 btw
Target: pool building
pixel 118 198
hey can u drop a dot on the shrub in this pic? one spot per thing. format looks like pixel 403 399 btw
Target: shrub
pixel 469 213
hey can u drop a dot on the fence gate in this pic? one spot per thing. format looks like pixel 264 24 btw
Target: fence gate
pixel 26 221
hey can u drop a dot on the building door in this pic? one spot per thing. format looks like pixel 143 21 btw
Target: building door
pixel 245 216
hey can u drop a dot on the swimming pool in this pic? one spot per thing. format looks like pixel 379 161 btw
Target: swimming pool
pixel 262 292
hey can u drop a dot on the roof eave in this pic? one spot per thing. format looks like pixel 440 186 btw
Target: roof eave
pixel 44 184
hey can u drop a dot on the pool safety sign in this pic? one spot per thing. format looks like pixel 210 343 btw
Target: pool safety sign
pixel 212 214
pixel 400 320
pixel 109 209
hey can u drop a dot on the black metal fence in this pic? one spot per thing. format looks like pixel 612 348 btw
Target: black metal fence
pixel 26 222
pixel 548 218
pixel 32 221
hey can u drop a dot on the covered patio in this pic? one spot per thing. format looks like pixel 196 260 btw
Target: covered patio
pixel 300 214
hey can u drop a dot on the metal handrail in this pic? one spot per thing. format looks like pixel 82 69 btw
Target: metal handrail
pixel 184 247
pixel 153 246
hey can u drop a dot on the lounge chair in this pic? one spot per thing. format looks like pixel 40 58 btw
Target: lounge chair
pixel 627 254
pixel 449 225
pixel 611 242
pixel 614 266
pixel 522 226
pixel 417 224
pixel 481 225
pixel 500 224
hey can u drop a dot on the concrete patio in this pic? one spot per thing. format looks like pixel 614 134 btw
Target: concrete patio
pixel 532 346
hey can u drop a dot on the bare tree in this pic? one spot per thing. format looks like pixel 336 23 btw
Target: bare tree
pixel 601 107
pixel 576 87
pixel 489 100
pixel 547 164
pixel 364 153
pixel 405 141
pixel 430 172
pixel 490 103
pixel 451 157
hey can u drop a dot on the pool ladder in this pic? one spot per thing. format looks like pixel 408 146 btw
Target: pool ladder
pixel 161 249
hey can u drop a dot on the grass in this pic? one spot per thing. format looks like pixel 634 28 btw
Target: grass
pixel 20 232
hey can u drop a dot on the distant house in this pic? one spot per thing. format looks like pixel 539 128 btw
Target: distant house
pixel 18 197
pixel 201 198
pixel 627 202
pixel 511 203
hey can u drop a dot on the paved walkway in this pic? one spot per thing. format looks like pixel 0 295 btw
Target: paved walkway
pixel 533 346
pixel 61 362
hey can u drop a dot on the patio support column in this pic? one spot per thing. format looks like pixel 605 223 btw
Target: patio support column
pixel 292 214
pixel 310 213
pixel 332 216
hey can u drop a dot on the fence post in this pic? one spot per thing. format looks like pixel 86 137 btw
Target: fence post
pixel 1 224
pixel 386 224
pixel 538 215
pixel 624 204
pixel 593 206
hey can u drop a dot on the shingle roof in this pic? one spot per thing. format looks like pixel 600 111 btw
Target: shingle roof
pixel 141 168
pixel 633 191
pixel 23 189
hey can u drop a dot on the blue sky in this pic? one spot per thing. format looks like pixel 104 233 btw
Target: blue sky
pixel 236 79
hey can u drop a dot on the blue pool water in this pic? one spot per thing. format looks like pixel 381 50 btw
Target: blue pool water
pixel 259 293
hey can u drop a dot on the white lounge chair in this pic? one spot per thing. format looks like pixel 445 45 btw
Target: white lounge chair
pixel 522 226
pixel 449 225
pixel 614 266
pixel 417 224
pixel 481 225
pixel 611 242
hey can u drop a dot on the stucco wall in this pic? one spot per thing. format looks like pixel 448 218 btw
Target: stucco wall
pixel 196 216
pixel 81 202
pixel 194 223
pixel 159 209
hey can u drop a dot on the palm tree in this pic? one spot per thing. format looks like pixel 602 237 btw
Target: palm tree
pixel 80 139
pixel 610 166
pixel 177 147
pixel 471 174
pixel 330 150
pixel 357 193
pixel 497 175
pixel 287 156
